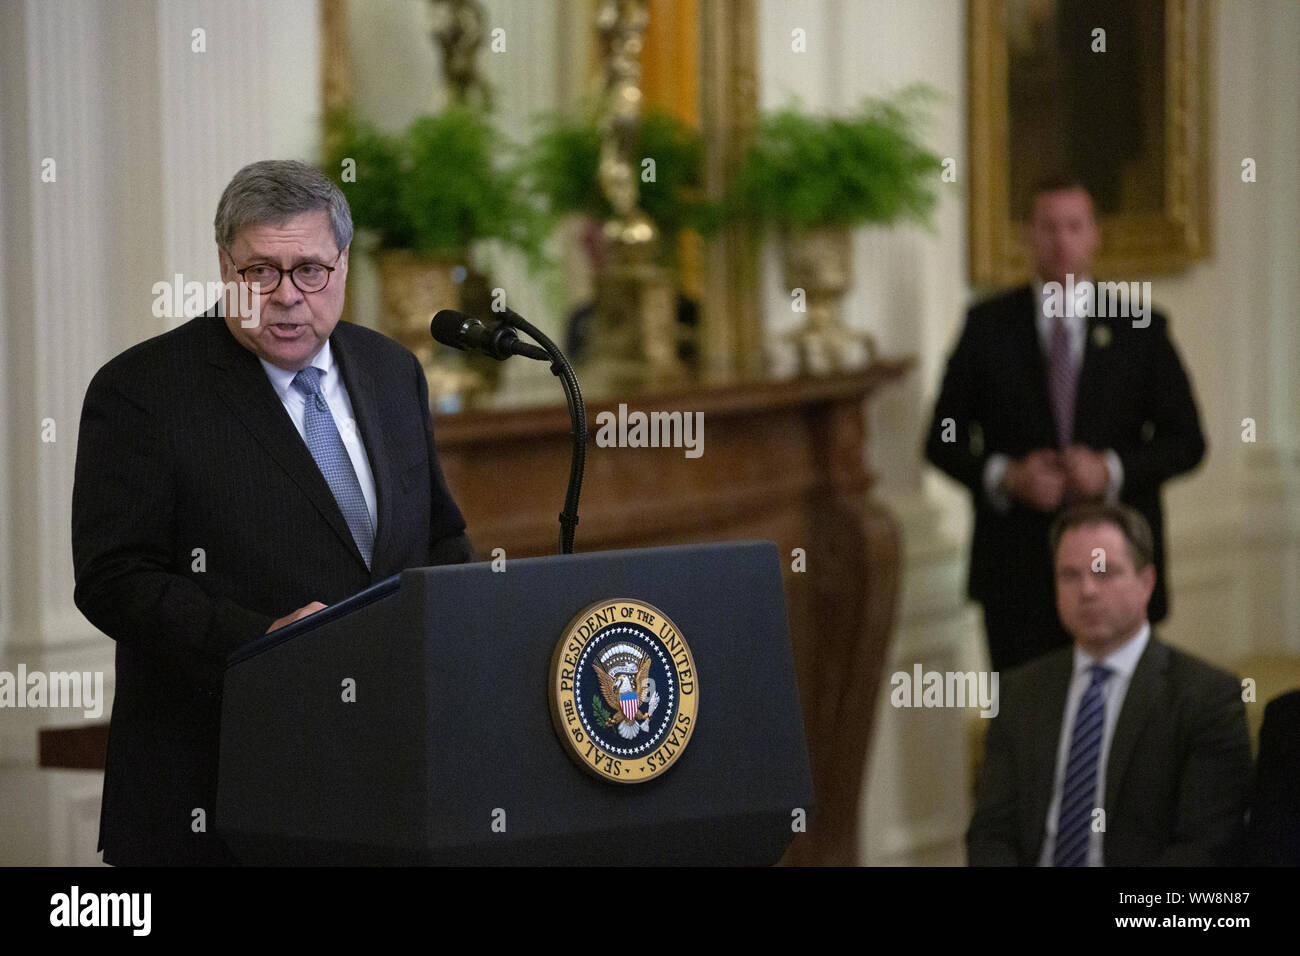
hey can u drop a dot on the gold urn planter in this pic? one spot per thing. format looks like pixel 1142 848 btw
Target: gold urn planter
pixel 634 328
pixel 412 288
pixel 818 263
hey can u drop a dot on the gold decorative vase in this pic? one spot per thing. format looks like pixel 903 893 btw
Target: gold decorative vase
pixel 818 265
pixel 634 325
pixel 413 288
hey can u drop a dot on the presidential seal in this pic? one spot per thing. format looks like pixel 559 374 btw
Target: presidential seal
pixel 623 691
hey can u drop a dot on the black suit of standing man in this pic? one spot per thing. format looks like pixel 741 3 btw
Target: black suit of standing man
pixel 1163 777
pixel 1133 425
pixel 201 518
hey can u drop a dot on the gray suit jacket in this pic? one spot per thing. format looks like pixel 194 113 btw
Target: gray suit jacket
pixel 1177 774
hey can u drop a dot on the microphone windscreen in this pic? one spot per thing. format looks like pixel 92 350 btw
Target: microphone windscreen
pixel 446 326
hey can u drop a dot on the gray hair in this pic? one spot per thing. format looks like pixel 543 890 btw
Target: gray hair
pixel 273 191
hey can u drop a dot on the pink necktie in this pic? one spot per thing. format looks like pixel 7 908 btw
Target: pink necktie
pixel 1063 377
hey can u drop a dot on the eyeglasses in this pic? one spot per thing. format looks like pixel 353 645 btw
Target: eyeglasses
pixel 306 276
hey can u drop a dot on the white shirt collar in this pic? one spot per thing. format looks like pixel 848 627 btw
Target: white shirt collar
pixel 282 379
pixel 1075 324
pixel 1123 660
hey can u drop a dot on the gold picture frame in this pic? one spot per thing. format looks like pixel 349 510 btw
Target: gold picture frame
pixel 1156 181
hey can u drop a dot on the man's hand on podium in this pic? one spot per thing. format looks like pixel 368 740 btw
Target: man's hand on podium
pixel 302 612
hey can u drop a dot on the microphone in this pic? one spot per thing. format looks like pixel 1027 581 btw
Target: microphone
pixel 500 340
pixel 497 339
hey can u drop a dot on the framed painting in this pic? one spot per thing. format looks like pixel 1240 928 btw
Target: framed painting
pixel 1113 93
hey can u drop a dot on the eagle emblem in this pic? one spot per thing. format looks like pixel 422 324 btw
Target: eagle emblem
pixel 624 691
pixel 624 674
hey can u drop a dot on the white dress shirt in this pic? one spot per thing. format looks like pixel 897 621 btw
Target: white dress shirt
pixel 1121 663
pixel 1076 327
pixel 336 396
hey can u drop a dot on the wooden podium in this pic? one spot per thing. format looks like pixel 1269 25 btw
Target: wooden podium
pixel 782 461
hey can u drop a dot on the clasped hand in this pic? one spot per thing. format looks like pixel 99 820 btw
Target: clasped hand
pixel 1047 478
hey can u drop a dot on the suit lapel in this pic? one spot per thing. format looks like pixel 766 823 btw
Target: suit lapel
pixel 1038 395
pixel 1045 737
pixel 1090 394
pixel 241 382
pixel 1145 689
pixel 363 391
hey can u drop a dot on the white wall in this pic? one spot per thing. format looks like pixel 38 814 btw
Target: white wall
pixel 910 293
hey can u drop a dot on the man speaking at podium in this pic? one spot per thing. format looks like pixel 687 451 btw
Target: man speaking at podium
pixel 234 475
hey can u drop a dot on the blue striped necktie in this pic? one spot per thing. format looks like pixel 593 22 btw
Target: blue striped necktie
pixel 326 446
pixel 1079 789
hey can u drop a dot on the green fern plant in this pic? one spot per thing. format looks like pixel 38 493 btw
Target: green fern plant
pixel 562 167
pixel 805 170
pixel 445 181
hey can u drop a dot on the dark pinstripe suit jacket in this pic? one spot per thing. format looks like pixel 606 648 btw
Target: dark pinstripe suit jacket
pixel 198 518
pixel 1177 773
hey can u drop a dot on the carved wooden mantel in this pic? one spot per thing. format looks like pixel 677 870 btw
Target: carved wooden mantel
pixel 782 461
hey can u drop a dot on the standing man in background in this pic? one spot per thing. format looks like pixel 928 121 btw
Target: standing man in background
pixel 1040 409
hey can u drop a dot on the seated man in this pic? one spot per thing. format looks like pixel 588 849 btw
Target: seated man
pixel 1118 751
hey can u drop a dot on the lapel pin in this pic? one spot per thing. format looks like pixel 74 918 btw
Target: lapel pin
pixel 1101 336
